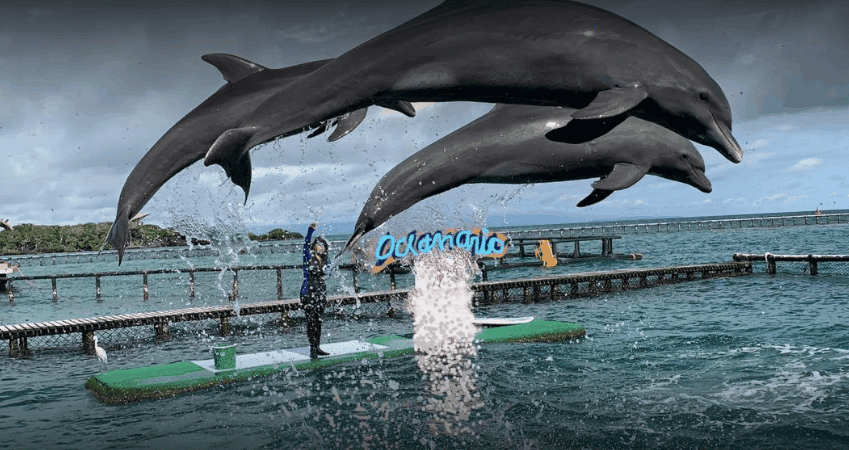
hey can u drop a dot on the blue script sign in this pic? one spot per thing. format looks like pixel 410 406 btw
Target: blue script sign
pixel 477 242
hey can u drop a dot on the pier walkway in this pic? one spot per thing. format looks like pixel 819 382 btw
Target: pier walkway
pixel 485 293
pixel 603 229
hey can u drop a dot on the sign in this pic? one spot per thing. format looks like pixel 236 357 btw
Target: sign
pixel 480 242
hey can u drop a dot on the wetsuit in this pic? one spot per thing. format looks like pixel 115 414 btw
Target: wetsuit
pixel 313 296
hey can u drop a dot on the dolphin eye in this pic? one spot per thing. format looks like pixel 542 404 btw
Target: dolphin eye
pixel 703 96
pixel 685 156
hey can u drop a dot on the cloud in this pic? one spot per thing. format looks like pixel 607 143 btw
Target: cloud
pixel 805 164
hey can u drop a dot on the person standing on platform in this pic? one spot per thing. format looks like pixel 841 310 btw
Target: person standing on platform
pixel 314 289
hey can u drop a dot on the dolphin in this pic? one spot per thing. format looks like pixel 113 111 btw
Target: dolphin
pixel 535 52
pixel 508 145
pixel 248 85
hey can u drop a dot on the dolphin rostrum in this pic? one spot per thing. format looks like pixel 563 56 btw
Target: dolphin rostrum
pixel 248 85
pixel 508 145
pixel 536 52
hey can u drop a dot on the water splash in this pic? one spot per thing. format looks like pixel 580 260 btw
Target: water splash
pixel 444 338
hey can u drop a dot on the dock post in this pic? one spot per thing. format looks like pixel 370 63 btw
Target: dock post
pixel 55 293
pixel 522 249
pixel 97 286
pixel 13 348
pixel 145 287
pixel 813 263
pixel 770 265
pixel 163 331
pixel 280 285
pixel 391 279
pixel 10 290
pixel 225 329
pixel 577 252
pixel 88 342
pixel 354 277
pixel 285 320
pixel 235 292
pixel 191 284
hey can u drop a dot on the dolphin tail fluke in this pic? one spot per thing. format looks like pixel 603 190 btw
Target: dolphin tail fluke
pixel 596 196
pixel 117 236
pixel 230 152
pixel 346 124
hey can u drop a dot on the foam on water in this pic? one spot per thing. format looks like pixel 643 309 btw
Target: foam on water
pixel 444 337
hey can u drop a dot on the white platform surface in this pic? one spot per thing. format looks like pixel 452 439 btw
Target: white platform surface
pixel 499 321
pixel 292 355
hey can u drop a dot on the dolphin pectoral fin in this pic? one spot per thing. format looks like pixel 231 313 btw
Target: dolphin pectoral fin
pixel 117 236
pixel 229 152
pixel 596 196
pixel 346 124
pixel 232 67
pixel 582 131
pixel 612 102
pixel 403 107
pixel 241 174
pixel 321 129
pixel 622 176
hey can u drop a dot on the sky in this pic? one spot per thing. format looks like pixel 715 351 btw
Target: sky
pixel 86 88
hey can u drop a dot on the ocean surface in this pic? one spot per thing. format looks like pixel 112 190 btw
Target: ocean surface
pixel 759 361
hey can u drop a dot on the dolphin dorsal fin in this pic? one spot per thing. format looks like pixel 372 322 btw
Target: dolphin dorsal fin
pixel 232 67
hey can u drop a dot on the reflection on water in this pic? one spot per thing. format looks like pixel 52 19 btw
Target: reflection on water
pixel 444 338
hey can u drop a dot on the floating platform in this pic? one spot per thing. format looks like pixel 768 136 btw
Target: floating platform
pixel 168 380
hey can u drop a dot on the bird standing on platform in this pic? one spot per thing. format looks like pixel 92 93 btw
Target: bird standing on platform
pixel 101 354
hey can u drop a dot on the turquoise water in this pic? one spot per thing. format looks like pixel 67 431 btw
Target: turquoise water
pixel 760 361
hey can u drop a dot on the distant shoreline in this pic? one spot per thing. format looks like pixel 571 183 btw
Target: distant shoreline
pixel 29 239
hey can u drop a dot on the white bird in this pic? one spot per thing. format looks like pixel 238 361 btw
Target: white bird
pixel 101 354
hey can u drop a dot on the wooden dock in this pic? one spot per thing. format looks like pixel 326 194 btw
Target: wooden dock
pixel 603 229
pixel 524 290
pixel 770 260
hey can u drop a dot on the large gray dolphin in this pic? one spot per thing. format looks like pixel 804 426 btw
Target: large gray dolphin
pixel 537 52
pixel 248 85
pixel 508 145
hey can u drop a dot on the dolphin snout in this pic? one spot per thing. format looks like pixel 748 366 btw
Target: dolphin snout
pixel 700 181
pixel 728 145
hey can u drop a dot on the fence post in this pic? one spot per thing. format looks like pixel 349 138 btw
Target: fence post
pixel 163 331
pixel 225 328
pixel 813 263
pixel 97 286
pixel 235 292
pixel 280 284
pixel 88 342
pixel 770 265
pixel 55 293
pixel 191 284
pixel 10 290
pixel 391 279
pixel 145 287
pixel 354 271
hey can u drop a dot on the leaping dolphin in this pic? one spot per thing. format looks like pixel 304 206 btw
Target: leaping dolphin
pixel 536 52
pixel 508 145
pixel 248 85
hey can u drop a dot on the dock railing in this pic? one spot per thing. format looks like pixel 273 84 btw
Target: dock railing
pixel 485 293
pixel 689 225
pixel 810 264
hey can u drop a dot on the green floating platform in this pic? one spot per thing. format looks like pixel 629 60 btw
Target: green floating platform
pixel 167 380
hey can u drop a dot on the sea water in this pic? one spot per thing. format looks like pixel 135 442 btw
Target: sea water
pixel 758 361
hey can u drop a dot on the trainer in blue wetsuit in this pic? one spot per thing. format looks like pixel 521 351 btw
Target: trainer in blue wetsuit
pixel 314 289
